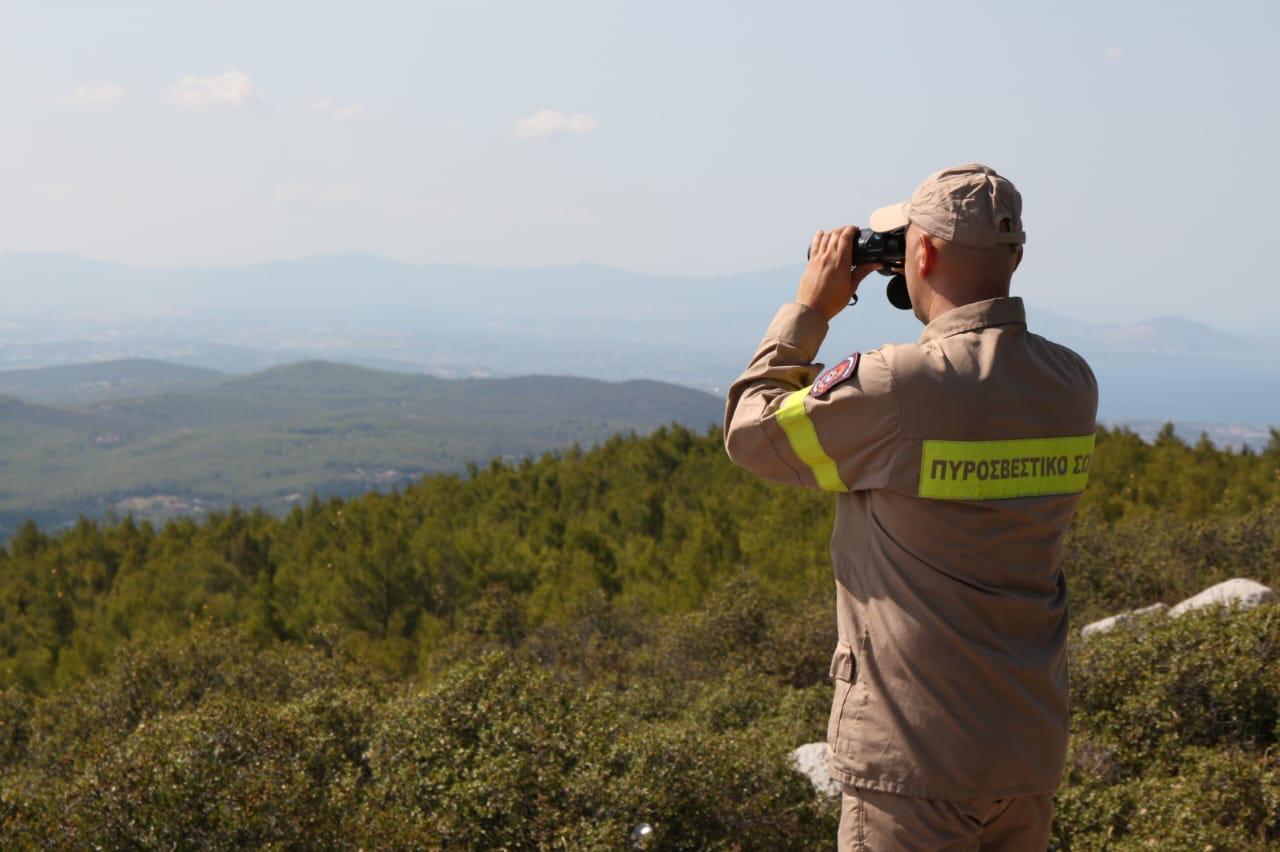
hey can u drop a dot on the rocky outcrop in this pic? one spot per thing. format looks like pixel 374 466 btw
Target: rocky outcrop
pixel 1238 592
pixel 1105 624
pixel 811 760
pixel 1245 594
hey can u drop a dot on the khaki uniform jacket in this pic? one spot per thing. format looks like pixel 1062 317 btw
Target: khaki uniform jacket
pixel 958 461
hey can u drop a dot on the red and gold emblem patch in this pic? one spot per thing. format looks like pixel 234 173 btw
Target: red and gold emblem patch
pixel 836 375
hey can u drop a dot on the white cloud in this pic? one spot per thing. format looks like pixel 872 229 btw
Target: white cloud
pixel 345 112
pixel 548 122
pixel 96 94
pixel 233 89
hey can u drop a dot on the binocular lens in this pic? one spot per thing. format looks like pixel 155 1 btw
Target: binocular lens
pixel 897 293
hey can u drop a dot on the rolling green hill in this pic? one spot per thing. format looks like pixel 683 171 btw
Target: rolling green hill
pixel 87 383
pixel 275 437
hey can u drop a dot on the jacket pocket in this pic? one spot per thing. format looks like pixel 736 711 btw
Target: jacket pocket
pixel 843 665
pixel 844 670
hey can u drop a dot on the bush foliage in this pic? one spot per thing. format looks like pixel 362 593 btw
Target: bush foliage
pixel 547 654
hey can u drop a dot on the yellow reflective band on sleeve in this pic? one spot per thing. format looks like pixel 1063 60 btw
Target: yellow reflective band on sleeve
pixel 995 470
pixel 804 441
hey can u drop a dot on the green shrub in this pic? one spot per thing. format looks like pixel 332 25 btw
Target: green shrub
pixel 1175 727
pixel 15 725
pixel 504 755
pixel 203 741
pixel 1209 678
pixel 1204 799
pixel 230 774
pixel 209 743
pixel 151 680
pixel 1160 557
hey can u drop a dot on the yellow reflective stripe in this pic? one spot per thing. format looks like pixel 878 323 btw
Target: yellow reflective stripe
pixel 804 441
pixel 993 470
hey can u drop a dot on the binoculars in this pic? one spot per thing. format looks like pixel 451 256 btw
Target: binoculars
pixel 889 249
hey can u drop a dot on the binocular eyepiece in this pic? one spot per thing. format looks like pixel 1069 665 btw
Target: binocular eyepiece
pixel 889 249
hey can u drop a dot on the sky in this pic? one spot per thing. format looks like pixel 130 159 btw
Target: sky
pixel 686 138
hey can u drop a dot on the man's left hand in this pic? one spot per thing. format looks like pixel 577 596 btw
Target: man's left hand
pixel 829 281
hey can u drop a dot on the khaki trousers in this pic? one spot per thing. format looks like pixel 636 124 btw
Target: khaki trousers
pixel 882 822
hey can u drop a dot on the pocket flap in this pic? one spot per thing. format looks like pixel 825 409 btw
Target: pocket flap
pixel 842 662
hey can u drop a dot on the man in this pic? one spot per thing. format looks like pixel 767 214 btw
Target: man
pixel 959 460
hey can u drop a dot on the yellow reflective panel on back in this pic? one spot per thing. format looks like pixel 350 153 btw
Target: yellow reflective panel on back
pixel 995 470
pixel 804 441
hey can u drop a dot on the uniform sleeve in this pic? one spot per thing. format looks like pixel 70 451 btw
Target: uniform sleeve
pixel 775 426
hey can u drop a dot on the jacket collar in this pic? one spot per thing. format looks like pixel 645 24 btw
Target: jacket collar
pixel 1006 310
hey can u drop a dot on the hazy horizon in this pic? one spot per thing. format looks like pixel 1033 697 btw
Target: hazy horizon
pixel 665 139
pixel 786 276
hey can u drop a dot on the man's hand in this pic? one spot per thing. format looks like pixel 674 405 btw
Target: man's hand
pixel 828 284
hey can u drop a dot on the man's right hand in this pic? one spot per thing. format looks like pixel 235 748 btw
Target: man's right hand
pixel 828 284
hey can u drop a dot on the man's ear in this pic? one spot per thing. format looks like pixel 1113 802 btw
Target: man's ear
pixel 1017 260
pixel 926 255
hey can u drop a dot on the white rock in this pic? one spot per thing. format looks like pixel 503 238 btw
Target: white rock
pixel 811 759
pixel 1240 592
pixel 1105 624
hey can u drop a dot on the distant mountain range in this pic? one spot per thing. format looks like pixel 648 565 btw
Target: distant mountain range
pixel 275 437
pixel 1160 336
pixel 580 320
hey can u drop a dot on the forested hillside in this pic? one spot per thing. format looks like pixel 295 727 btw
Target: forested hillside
pixel 542 654
pixel 274 437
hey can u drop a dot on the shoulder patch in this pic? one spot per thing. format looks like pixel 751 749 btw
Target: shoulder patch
pixel 837 374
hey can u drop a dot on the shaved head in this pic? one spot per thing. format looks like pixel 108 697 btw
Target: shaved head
pixel 942 275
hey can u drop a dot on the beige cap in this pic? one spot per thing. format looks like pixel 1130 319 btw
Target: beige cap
pixel 970 205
